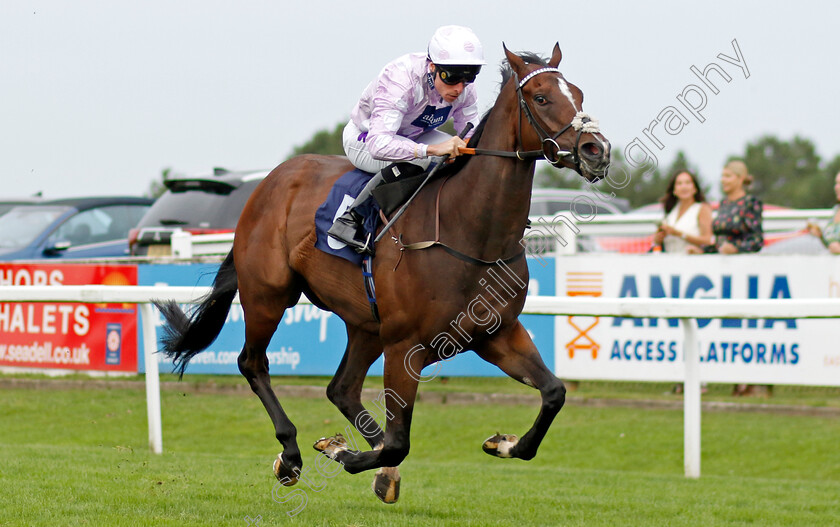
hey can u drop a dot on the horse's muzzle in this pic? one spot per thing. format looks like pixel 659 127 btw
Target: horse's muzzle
pixel 594 159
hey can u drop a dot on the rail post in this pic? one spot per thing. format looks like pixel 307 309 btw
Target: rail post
pixel 691 400
pixel 152 378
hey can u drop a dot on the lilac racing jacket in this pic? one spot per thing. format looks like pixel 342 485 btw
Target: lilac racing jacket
pixel 402 103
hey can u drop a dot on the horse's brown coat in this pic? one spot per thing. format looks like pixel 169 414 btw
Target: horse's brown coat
pixel 429 303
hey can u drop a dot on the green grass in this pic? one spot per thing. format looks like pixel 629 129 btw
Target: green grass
pixel 816 396
pixel 79 457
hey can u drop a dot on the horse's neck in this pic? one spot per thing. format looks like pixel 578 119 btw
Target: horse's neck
pixel 491 195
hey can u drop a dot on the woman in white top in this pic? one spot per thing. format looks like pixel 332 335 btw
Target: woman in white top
pixel 688 218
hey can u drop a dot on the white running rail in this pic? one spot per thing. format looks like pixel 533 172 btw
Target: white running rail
pixel 686 309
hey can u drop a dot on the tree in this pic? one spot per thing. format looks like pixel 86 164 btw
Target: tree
pixel 826 187
pixel 788 173
pixel 157 187
pixel 324 142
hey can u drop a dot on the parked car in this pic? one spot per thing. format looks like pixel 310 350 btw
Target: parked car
pixel 794 243
pixel 550 201
pixel 7 204
pixel 199 205
pixel 584 204
pixel 93 227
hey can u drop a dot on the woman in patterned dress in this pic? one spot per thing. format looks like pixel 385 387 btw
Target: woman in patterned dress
pixel 737 229
pixel 737 226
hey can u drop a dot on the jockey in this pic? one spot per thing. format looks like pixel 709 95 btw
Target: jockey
pixel 392 127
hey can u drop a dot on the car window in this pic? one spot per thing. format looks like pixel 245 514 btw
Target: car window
pixel 582 207
pixel 123 219
pixel 102 224
pixel 6 207
pixel 198 209
pixel 21 225
pixel 539 209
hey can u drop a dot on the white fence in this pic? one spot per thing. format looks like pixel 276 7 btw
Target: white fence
pixel 688 310
pixel 563 227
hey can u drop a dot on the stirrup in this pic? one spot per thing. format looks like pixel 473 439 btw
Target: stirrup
pixel 366 247
pixel 348 230
pixel 360 246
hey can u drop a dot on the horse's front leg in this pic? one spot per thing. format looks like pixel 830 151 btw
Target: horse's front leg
pixel 402 374
pixel 515 353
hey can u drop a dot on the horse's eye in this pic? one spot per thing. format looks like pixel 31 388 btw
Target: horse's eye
pixel 539 99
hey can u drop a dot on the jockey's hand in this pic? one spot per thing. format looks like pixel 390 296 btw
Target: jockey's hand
pixel 449 147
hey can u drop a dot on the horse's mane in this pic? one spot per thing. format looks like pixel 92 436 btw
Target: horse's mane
pixel 507 72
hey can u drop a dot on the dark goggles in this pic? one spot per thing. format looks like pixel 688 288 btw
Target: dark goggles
pixel 453 75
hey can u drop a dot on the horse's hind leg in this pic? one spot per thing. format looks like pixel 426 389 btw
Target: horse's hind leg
pixel 514 352
pixel 345 391
pixel 261 319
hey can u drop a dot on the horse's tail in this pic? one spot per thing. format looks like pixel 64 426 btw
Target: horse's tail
pixel 184 337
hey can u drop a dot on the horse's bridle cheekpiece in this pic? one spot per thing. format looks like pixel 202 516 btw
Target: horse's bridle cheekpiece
pixel 551 151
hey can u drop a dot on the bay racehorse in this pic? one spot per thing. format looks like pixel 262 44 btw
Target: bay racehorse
pixel 463 292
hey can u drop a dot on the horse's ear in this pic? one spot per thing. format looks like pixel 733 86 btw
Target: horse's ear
pixel 556 56
pixel 515 61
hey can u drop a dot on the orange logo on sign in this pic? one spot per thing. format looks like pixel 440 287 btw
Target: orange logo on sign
pixel 116 278
pixel 583 284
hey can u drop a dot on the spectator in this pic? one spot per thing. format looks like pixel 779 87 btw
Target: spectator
pixel 737 226
pixel 688 218
pixel 830 234
pixel 737 229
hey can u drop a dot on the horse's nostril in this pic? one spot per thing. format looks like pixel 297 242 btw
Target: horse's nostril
pixel 591 150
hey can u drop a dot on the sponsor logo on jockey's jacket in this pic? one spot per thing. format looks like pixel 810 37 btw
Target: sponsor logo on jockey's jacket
pixel 432 117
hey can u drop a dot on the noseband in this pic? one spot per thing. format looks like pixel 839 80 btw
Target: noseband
pixel 551 151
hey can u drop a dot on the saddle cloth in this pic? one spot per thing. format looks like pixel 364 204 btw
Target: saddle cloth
pixel 397 187
pixel 341 196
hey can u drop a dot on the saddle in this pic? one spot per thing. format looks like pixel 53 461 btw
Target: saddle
pixel 387 198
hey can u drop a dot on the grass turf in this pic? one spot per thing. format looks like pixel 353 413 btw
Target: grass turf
pixel 79 457
pixel 815 396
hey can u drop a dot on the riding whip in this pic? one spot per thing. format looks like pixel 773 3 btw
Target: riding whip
pixel 432 172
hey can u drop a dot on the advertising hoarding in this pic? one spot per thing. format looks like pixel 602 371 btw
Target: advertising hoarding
pixel 68 336
pixel 777 351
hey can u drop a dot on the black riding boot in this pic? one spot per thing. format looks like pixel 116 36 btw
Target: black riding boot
pixel 348 229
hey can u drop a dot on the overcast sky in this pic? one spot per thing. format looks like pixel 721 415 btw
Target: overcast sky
pixel 98 97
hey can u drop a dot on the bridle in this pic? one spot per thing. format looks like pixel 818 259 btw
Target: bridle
pixel 550 150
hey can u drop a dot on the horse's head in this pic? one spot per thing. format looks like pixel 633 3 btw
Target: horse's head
pixel 554 108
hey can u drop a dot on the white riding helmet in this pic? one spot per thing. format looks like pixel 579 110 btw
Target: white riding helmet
pixel 456 45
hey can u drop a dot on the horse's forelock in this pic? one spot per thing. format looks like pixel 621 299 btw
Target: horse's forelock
pixel 528 57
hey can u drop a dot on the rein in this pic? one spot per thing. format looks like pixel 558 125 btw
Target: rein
pixel 418 246
pixel 550 151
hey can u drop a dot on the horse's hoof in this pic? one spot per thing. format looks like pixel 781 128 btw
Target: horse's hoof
pixel 287 475
pixel 386 484
pixel 500 445
pixel 331 446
